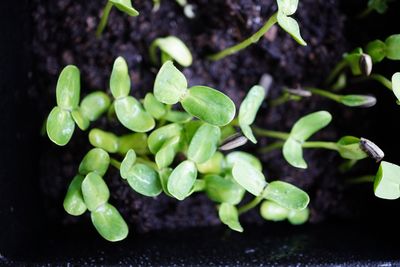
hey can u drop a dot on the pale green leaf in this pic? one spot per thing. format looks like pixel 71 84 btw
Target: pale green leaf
pixel 286 195
pixel 60 126
pixel 182 179
pixel 249 177
pixel 68 88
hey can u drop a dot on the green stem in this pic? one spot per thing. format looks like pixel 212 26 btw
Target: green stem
pixel 115 163
pixel 271 147
pixel 250 205
pixel 321 144
pixel 336 71
pixel 251 40
pixel 104 18
pixel 272 134
pixel 324 93
pixel 381 79
pixel 280 100
pixel 361 179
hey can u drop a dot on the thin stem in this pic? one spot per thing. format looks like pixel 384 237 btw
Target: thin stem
pixel 381 79
pixel 115 163
pixel 251 40
pixel 104 18
pixel 336 71
pixel 250 205
pixel 321 144
pixel 324 93
pixel 271 147
pixel 280 100
pixel 272 134
pixel 361 179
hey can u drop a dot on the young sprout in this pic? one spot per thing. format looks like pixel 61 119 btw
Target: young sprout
pixel 203 102
pixel 379 6
pixel 286 8
pixel 379 50
pixel 172 48
pixel 122 5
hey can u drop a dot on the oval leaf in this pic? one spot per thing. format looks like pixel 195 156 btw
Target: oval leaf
pixel 175 48
pixel 159 136
pixel 393 47
pixel 125 6
pixel 135 141
pixel 293 153
pixel 204 143
pixel 291 26
pixel 109 223
pixel 170 84
pixel 177 116
pixel 96 160
pixel 209 105
pixel 120 82
pixel 144 180
pixel 165 156
pixel 349 148
pixel 237 156
pixel 131 114
pixel 127 163
pixel 182 179
pixel 228 215
pixel 95 191
pixel 80 120
pixel 60 126
pixel 364 101
pixel 94 105
pixel 287 7
pixel 396 85
pixel 297 217
pixel 286 195
pixel 213 165
pixel 376 49
pixel 222 190
pixel 387 181
pixel 105 140
pixel 271 211
pixel 154 107
pixel 73 201
pixel 310 124
pixel 249 177
pixel 68 88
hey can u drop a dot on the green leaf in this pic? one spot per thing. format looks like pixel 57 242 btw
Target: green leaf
pixel 364 101
pixel 154 107
pixel 96 160
pixel 182 179
pixel 271 211
pixel 287 7
pixel 393 47
pixel 109 223
pixel 396 85
pixel 144 180
pixel 178 116
pixel 237 156
pixel 164 175
pixel 68 88
pixel 310 124
pixel 379 6
pixel 222 190
pixel 170 84
pixel 80 120
pixel 60 126
pixel 132 115
pixel 127 163
pixel 387 181
pixel 291 26
pixel 125 6
pixel 249 177
pixel 73 201
pixel 213 165
pixel 94 105
pixel 165 156
pixel 174 47
pixel 286 195
pixel 228 215
pixel 377 50
pixel 159 136
pixel 209 105
pixel 353 60
pixel 120 82
pixel 204 143
pixel 249 108
pixel 349 148
pixel 95 191
pixel 105 140
pixel 135 141
pixel 297 217
pixel 198 186
pixel 293 153
pixel 190 129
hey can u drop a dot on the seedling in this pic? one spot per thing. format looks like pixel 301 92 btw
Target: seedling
pixel 286 8
pixel 271 211
pixel 379 6
pixel 122 5
pixel 172 48
pixel 146 155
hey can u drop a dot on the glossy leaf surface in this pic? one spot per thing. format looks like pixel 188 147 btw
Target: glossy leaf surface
pixel 387 181
pixel 222 190
pixel 144 180
pixel 96 160
pixel 249 177
pixel 94 105
pixel 286 195
pixel 68 88
pixel 228 214
pixel 95 191
pixel 204 143
pixel 175 48
pixel 271 211
pixel 182 179
pixel 105 140
pixel 120 82
pixel 153 106
pixel 127 163
pixel 73 201
pixel 60 126
pixel 159 136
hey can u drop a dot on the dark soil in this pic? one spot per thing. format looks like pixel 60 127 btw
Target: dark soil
pixel 63 33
